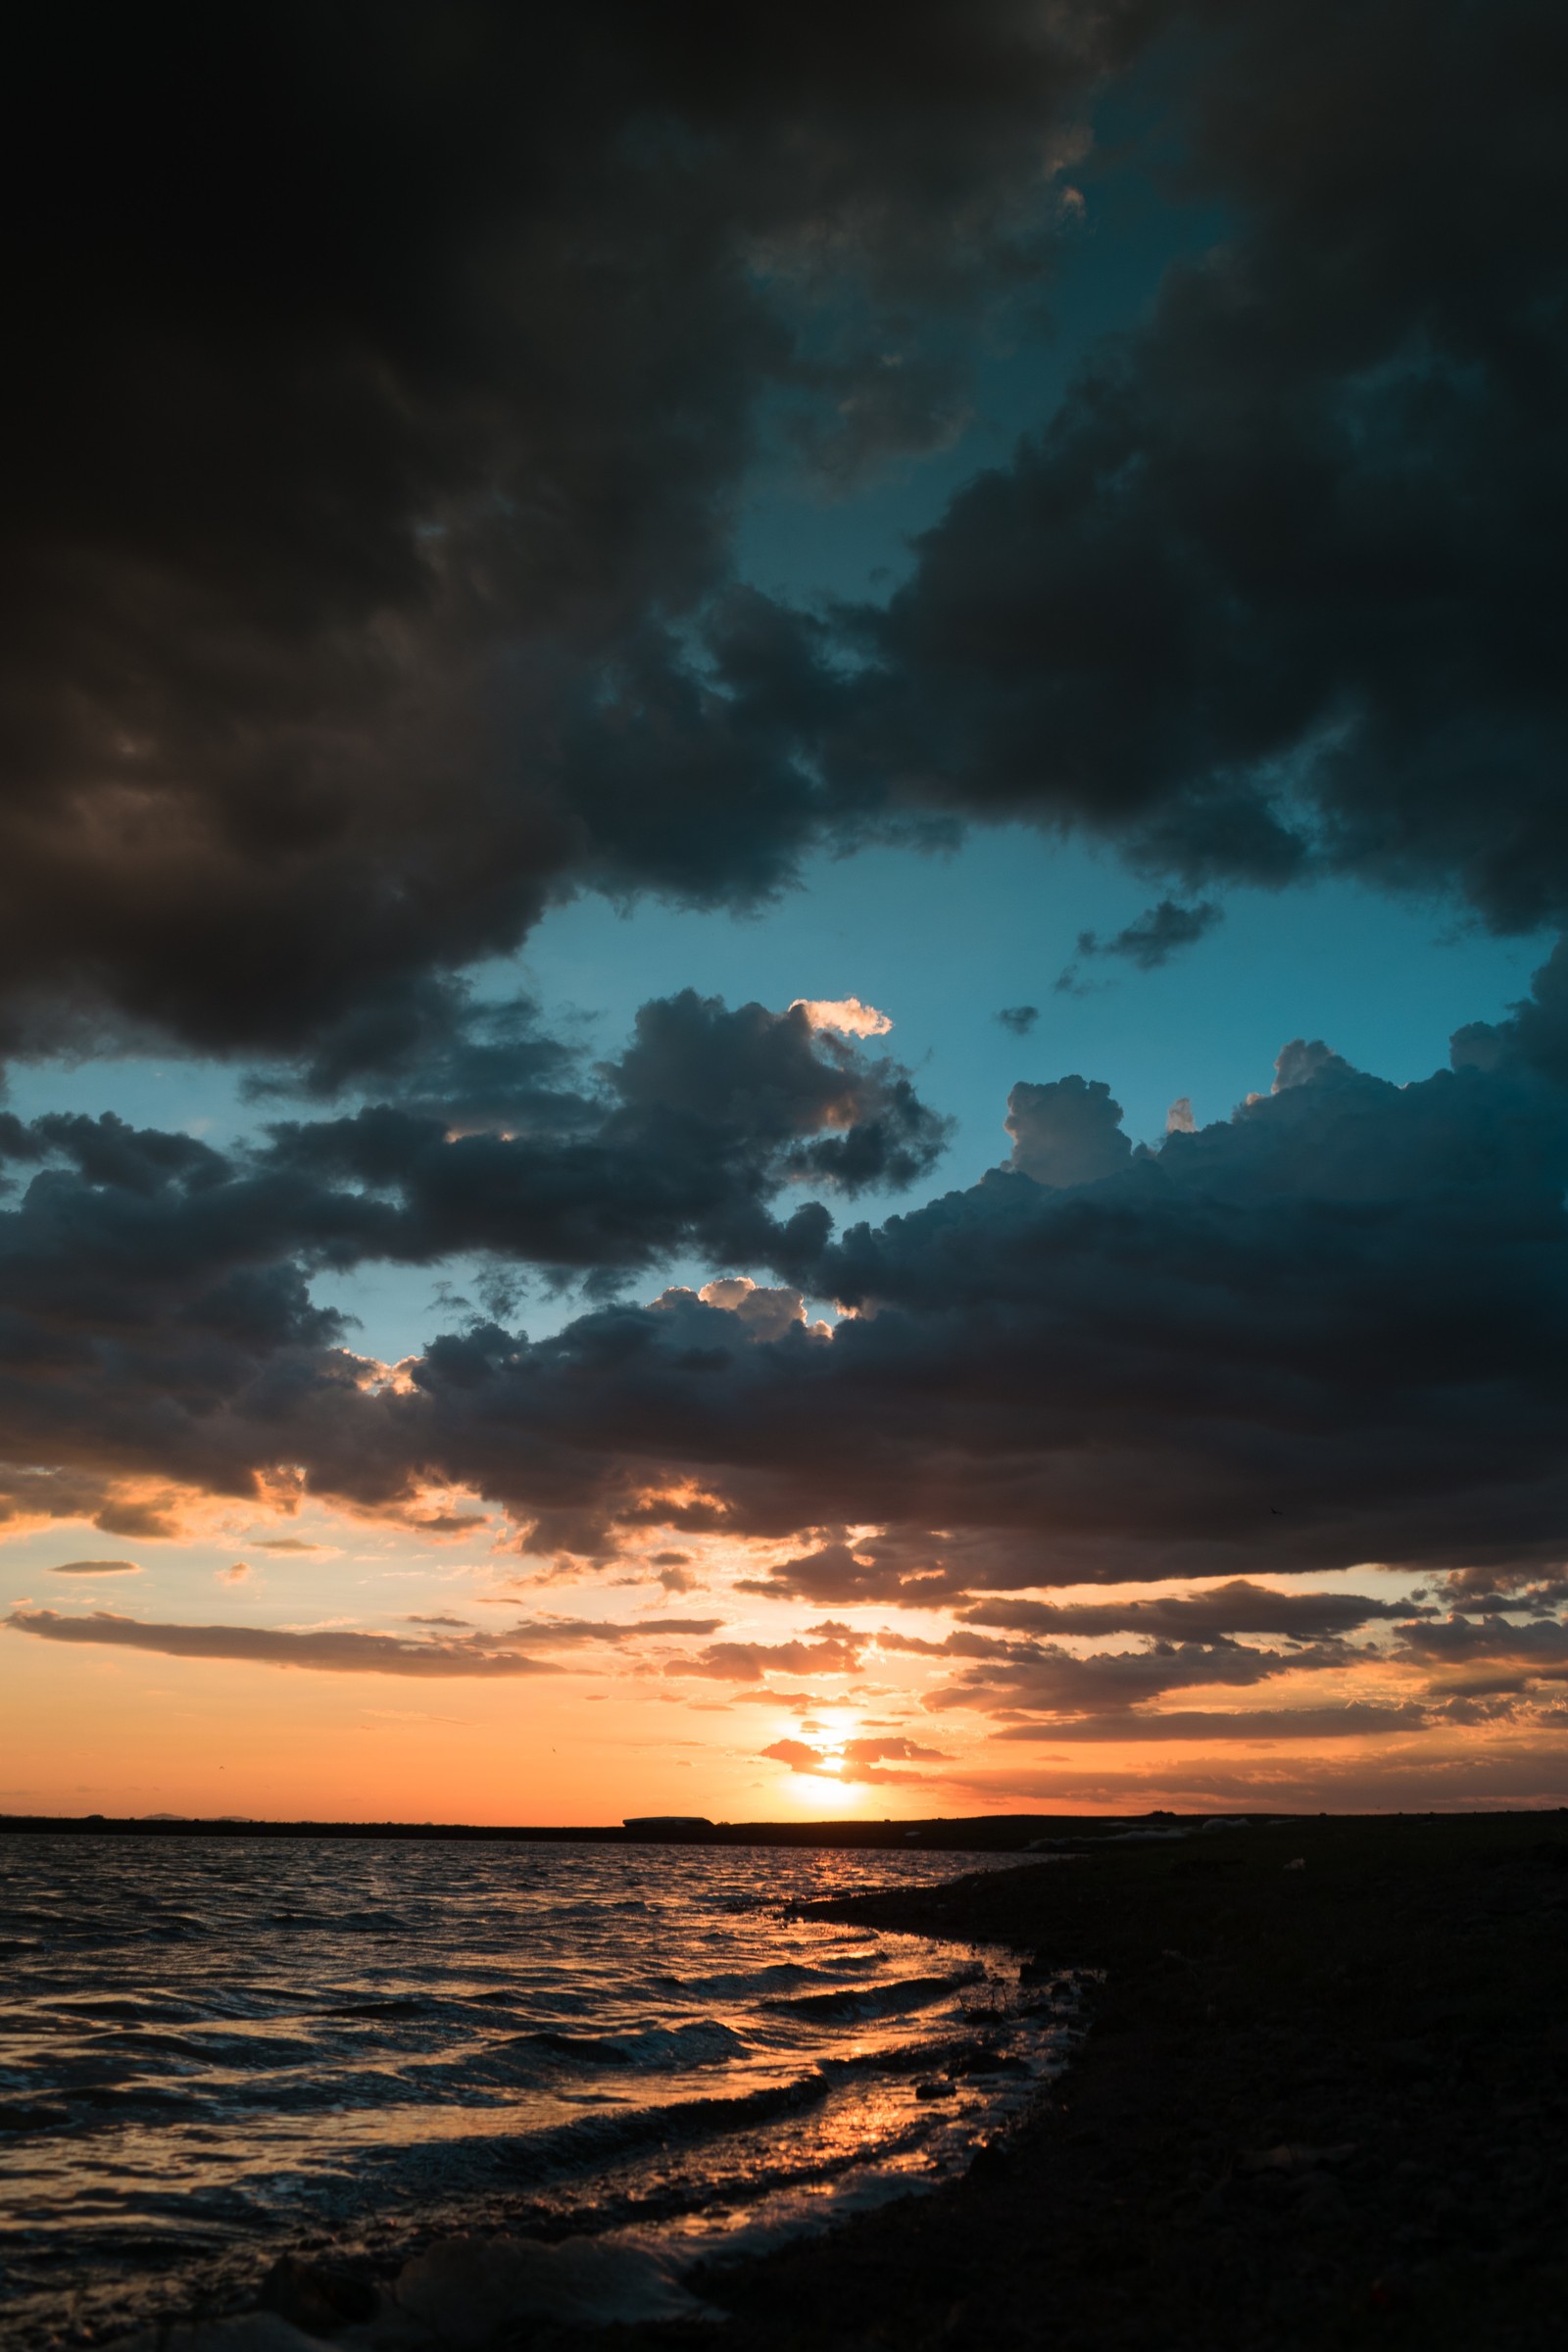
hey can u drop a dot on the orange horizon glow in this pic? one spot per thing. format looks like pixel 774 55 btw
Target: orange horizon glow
pixel 628 1718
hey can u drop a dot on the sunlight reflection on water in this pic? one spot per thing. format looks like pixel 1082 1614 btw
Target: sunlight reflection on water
pixel 208 2045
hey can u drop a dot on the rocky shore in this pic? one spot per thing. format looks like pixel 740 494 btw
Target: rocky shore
pixel 1323 2102
pixel 1324 2105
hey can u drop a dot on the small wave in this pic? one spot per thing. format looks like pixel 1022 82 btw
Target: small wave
pixel 875 2000
pixel 585 2049
pixel 704 2042
pixel 121 2041
pixel 590 2141
pixel 738 1984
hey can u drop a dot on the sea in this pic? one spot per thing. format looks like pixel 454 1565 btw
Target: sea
pixel 214 2049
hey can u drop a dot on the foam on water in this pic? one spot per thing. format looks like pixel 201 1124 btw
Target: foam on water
pixel 213 2048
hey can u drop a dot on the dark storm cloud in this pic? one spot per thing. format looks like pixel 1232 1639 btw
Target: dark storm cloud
pixel 384 399
pixel 389 385
pixel 1324 1332
pixel 149 1280
pixel 1278 586
pixel 682 1139
pixel 1320 1333
pixel 386 381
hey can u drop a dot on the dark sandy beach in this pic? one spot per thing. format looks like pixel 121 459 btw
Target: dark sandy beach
pixel 1322 2102
pixel 1319 2106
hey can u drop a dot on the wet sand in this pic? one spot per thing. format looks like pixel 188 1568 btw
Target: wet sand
pixel 1317 2106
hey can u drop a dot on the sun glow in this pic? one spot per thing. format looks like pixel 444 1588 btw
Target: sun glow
pixel 828 1788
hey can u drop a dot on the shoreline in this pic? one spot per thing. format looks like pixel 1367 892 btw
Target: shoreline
pixel 1317 2106
pixel 978 1834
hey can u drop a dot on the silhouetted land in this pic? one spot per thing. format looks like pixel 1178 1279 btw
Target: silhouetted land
pixel 991 1832
pixel 1317 2107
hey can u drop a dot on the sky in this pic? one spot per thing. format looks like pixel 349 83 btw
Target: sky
pixel 781 994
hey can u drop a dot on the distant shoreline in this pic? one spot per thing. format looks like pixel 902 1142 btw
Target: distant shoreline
pixel 993 1833
pixel 986 1834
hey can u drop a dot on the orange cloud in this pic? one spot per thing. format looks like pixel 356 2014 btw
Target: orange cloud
pixel 847 1014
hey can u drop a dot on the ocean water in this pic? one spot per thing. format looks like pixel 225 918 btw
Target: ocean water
pixel 215 2049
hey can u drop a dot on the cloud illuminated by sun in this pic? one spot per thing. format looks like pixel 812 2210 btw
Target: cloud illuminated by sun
pixel 847 1014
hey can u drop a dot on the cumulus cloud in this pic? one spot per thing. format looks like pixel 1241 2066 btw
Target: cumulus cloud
pixel 847 1014
pixel 1266 1345
pixel 1316 1334
pixel 1067 1132
pixel 1018 1020
pixel 767 1313
pixel 680 1140
pixel 133 1259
